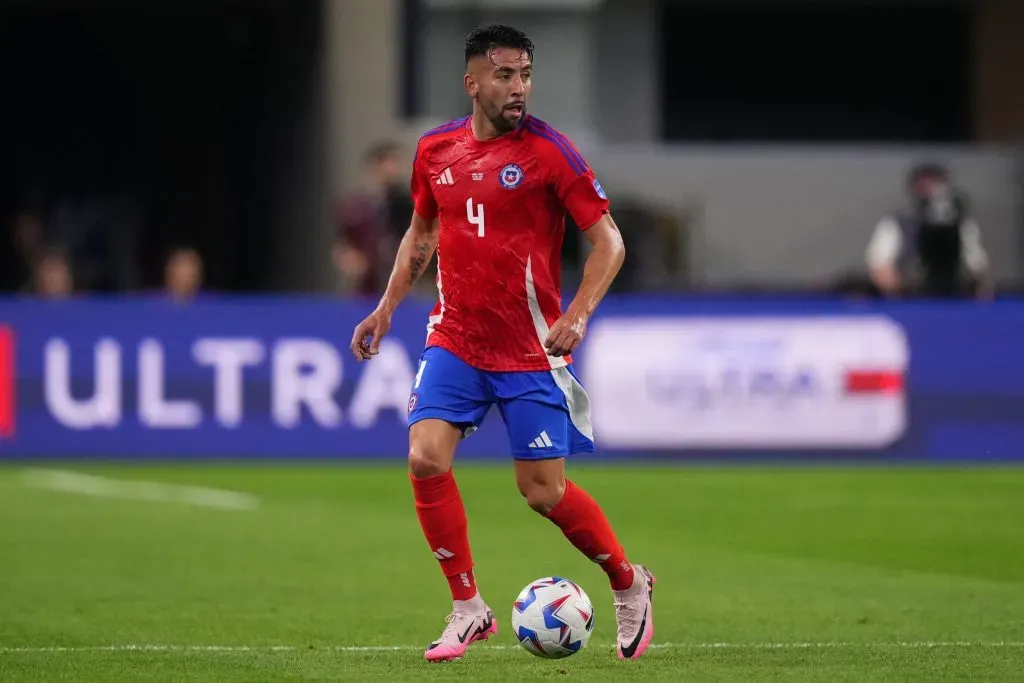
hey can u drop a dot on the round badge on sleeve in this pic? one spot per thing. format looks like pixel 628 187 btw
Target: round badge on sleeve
pixel 599 190
pixel 511 176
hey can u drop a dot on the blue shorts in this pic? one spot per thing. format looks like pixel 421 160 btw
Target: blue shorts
pixel 546 413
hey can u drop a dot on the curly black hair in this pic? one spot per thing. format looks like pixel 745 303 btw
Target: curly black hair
pixel 484 39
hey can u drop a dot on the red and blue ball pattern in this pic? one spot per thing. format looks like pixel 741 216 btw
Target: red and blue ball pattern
pixel 553 618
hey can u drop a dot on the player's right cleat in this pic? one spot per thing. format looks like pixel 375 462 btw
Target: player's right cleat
pixel 463 629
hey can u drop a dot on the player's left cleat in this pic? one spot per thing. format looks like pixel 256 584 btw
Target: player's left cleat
pixel 463 629
pixel 634 615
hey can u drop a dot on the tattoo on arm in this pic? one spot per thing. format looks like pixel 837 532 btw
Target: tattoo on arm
pixel 419 261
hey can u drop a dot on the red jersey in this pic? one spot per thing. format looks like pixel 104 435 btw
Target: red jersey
pixel 501 208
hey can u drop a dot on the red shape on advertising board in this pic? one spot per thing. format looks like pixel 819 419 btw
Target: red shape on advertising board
pixel 874 382
pixel 7 382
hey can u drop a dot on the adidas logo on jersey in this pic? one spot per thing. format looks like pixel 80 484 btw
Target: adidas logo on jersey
pixel 446 177
pixel 542 441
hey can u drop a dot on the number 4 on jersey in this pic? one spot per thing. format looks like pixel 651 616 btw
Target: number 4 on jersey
pixel 475 217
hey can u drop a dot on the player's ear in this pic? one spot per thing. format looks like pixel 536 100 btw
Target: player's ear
pixel 469 83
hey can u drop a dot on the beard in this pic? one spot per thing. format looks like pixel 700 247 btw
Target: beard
pixel 501 119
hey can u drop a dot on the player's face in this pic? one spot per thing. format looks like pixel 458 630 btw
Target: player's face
pixel 500 83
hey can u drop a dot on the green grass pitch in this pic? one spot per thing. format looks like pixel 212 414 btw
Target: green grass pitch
pixel 782 574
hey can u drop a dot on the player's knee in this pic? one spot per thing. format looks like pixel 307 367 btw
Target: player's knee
pixel 542 495
pixel 431 448
pixel 425 461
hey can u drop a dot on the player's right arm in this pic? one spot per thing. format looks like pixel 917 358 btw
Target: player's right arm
pixel 414 254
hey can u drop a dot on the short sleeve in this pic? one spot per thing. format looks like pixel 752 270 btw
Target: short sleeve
pixel 422 195
pixel 974 255
pixel 575 184
pixel 885 244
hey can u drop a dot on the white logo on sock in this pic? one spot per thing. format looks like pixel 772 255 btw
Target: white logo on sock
pixel 443 554
pixel 542 441
pixel 601 558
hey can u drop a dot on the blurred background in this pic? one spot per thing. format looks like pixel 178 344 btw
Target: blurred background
pixel 748 146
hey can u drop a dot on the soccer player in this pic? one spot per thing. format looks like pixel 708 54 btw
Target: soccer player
pixel 490 194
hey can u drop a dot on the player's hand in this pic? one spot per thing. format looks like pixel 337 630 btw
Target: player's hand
pixel 566 334
pixel 374 327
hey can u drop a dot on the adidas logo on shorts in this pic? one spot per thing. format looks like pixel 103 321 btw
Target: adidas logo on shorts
pixel 542 441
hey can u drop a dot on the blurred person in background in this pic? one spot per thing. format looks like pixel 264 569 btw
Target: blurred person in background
pixel 52 276
pixel 931 248
pixel 183 274
pixel 372 221
pixel 22 252
pixel 99 233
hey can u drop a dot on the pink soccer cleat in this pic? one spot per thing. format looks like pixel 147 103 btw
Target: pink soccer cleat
pixel 634 615
pixel 463 629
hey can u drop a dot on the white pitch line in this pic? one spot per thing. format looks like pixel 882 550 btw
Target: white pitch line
pixel 828 645
pixel 121 489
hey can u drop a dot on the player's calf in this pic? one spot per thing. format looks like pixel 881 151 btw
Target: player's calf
pixel 439 506
pixel 584 524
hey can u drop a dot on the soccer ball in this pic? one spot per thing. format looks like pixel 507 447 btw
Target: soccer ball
pixel 552 618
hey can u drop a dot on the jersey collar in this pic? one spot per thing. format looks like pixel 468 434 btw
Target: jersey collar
pixel 472 141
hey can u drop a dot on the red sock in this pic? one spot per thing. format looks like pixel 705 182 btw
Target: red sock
pixel 583 522
pixel 443 519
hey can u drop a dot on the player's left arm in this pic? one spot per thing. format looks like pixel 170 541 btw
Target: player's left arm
pixel 600 269
pixel 585 199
